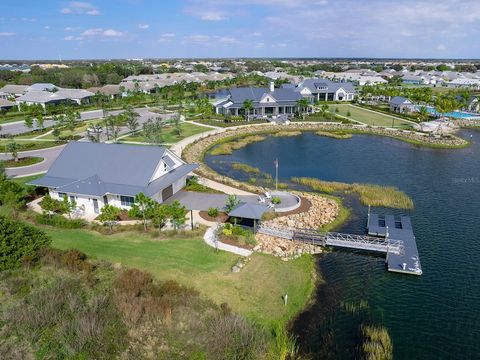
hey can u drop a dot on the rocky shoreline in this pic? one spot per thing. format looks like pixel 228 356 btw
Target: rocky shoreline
pixel 321 212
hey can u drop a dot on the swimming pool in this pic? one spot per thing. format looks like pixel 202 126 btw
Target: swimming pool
pixel 453 114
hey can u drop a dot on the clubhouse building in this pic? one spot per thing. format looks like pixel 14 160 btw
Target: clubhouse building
pixel 95 174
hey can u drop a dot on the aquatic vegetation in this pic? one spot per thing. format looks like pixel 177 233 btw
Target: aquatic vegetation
pixel 229 145
pixel 334 134
pixel 370 194
pixel 245 168
pixel 377 344
pixel 287 133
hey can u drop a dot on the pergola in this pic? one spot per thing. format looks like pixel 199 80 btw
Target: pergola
pixel 248 211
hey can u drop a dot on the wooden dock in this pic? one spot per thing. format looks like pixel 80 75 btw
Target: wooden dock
pixel 399 229
pixel 385 234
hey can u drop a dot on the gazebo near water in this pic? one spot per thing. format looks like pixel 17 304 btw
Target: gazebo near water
pixel 250 214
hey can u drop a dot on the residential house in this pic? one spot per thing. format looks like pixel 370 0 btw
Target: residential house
pixel 5 104
pixel 326 90
pixel 473 104
pixel 14 90
pixel 43 98
pixel 79 96
pixel 400 104
pixel 97 174
pixel 464 82
pixel 267 102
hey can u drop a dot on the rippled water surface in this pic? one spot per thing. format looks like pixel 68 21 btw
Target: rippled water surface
pixel 435 316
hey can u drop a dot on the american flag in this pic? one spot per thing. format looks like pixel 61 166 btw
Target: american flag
pixel 275 162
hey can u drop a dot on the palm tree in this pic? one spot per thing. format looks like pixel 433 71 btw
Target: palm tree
pixel 303 105
pixel 423 113
pixel 247 106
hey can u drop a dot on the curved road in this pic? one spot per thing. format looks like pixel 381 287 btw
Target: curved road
pixel 49 155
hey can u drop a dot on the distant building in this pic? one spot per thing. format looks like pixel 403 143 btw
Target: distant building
pixel 326 90
pixel 400 104
pixel 267 102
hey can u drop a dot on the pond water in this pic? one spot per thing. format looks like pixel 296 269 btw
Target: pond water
pixel 434 316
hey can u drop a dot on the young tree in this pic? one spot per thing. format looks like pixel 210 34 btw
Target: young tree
pixel 152 129
pixel 39 121
pixel 303 105
pixel 48 205
pixel 112 124
pixel 56 132
pixel 67 206
pixel 143 208
pixel 177 125
pixel 13 149
pixel 248 107
pixel 160 215
pixel 109 215
pixel 29 121
pixel 177 214
pixel 12 196
pixel 131 118
pixel 232 202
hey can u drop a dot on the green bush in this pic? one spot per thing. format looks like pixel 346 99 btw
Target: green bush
pixel 60 221
pixel 213 212
pixel 276 200
pixel 19 240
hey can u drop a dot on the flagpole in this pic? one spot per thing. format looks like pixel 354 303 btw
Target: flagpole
pixel 276 174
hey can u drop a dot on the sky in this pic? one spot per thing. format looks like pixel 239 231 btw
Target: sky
pixel 107 29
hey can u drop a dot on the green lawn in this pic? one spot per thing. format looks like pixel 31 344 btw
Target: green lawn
pixel 22 161
pixel 169 137
pixel 26 179
pixel 28 145
pixel 255 292
pixel 368 117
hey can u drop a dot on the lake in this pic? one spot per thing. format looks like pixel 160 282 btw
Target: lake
pixel 434 316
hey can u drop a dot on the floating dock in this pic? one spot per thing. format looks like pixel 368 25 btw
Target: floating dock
pixel 398 229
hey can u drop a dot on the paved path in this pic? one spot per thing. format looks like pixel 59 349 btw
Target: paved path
pixel 211 240
pixel 49 155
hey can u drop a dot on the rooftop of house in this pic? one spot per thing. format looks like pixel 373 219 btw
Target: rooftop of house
pixel 38 96
pixel 400 100
pixel 239 95
pixel 14 89
pixel 96 169
pixel 317 84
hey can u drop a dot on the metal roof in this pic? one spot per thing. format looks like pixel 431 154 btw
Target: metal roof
pixel 332 86
pixel 400 100
pixel 248 211
pixel 96 169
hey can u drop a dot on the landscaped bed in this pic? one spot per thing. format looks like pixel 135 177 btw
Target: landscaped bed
pixel 23 161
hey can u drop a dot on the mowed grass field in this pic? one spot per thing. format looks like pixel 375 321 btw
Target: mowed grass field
pixel 368 117
pixel 169 136
pixel 255 292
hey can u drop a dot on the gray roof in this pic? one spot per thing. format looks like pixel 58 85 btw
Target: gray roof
pixel 5 103
pixel 74 93
pixel 43 97
pixel 314 84
pixel 400 100
pixel 42 87
pixel 96 169
pixel 248 211
pixel 239 95
pixel 14 89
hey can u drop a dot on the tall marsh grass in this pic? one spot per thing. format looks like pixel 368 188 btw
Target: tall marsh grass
pixel 377 344
pixel 370 194
pixel 229 146
pixel 245 168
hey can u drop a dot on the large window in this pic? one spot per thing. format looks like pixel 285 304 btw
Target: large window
pixel 127 200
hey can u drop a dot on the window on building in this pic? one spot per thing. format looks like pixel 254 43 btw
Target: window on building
pixel 61 195
pixel 127 200
pixel 73 198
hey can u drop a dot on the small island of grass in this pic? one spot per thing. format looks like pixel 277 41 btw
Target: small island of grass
pixel 24 161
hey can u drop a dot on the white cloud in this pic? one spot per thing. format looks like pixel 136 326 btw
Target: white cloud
pixel 7 34
pixel 72 38
pixel 212 16
pixel 196 39
pixel 227 40
pixel 46 27
pixel 99 32
pixel 143 26
pixel 80 8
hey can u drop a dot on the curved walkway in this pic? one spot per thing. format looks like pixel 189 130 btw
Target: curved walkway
pixel 211 239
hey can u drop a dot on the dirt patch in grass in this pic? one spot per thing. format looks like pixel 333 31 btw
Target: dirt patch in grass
pixel 230 240
pixel 24 161
pixel 222 217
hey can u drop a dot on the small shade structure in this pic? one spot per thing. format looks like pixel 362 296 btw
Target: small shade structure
pixel 253 212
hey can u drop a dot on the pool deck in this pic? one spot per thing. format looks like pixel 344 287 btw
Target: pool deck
pixel 397 228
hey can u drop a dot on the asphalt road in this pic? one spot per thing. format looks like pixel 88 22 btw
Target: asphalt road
pixel 51 154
